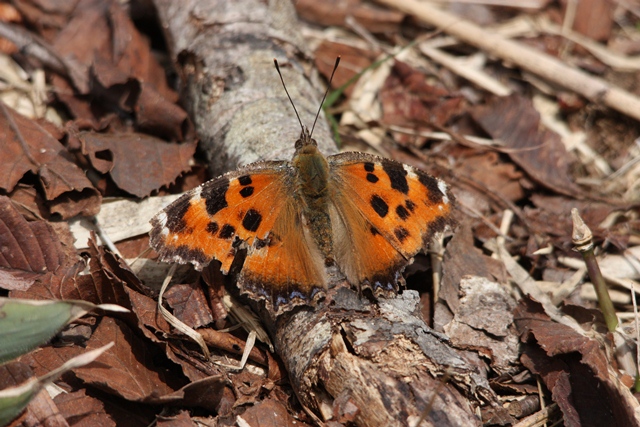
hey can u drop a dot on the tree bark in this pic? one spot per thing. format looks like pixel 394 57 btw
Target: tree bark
pixel 348 359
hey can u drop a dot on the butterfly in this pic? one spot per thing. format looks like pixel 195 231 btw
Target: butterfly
pixel 366 215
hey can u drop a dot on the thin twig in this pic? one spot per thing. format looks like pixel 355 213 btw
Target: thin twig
pixel 582 238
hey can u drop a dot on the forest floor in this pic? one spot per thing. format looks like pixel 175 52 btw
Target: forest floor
pixel 525 112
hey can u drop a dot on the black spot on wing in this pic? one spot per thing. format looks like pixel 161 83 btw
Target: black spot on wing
pixel 213 227
pixel 401 233
pixel 252 220
pixel 402 212
pixel 369 167
pixel 245 180
pixel 227 231
pixel 372 178
pixel 410 205
pixel 397 175
pixel 175 214
pixel 246 191
pixel 214 193
pixel 379 205
pixel 434 193
pixel 374 231
pixel 270 240
pixel 261 243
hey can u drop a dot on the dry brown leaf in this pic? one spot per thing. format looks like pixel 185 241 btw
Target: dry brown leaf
pixel 493 173
pixel 80 409
pixel 182 419
pixel 334 12
pixel 129 368
pixel 137 163
pixel 462 258
pixel 29 251
pixel 28 147
pixel 575 368
pixel 110 53
pixel 352 61
pixel 189 304
pixel 538 151
pixel 208 393
pixel 270 413
pixel 408 100
pixel 593 18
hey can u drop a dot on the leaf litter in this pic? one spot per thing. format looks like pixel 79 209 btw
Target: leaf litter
pixel 126 135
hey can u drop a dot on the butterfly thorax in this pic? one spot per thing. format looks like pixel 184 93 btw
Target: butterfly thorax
pixel 311 181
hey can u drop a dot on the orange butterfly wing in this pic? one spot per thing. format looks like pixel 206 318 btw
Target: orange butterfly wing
pixel 288 260
pixel 252 206
pixel 384 214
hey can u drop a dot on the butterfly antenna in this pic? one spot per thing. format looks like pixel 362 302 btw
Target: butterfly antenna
pixel 335 67
pixel 275 61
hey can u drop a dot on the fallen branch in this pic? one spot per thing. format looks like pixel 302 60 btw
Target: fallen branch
pixel 348 359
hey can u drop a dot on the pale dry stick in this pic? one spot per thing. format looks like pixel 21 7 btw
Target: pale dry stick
pixel 569 15
pixel 443 136
pixel 626 316
pixel 360 30
pixel 566 287
pixel 474 213
pixel 545 66
pixel 623 282
pixel 624 168
pixel 140 256
pixel 521 4
pixel 477 77
pixel 600 51
pixel 104 237
pixel 246 319
pixel 177 323
pixel 543 404
pixel 505 224
pixel 250 343
pixel 436 254
pixel 528 286
pixel 629 6
pixel 538 419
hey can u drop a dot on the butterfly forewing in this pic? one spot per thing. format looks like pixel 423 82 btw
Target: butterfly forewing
pixel 205 223
pixel 253 205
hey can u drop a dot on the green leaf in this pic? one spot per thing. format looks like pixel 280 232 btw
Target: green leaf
pixel 13 400
pixel 27 324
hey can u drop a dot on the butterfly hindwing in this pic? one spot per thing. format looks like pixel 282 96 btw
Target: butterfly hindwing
pixel 288 260
pixel 390 211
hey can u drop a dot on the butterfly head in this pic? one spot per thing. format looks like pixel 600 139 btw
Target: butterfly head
pixel 305 144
